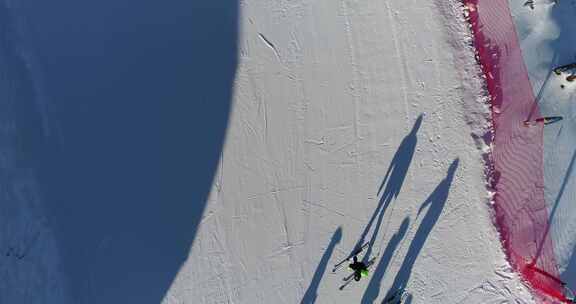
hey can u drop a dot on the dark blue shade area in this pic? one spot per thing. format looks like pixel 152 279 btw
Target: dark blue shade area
pixel 140 94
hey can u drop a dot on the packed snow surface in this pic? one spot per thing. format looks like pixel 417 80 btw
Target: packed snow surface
pixel 351 121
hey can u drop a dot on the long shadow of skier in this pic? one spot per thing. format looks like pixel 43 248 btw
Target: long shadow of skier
pixel 393 180
pixel 563 14
pixel 373 288
pixel 310 295
pixel 556 203
pixel 568 274
pixel 543 88
pixel 435 203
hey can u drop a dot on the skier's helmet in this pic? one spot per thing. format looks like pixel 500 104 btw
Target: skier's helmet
pixel 364 272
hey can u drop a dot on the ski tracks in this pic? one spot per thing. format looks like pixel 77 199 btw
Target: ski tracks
pixel 402 59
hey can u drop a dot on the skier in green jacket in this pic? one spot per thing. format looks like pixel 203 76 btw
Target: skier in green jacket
pixel 360 269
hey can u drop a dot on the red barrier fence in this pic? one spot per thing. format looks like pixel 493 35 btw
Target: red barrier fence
pixel 517 155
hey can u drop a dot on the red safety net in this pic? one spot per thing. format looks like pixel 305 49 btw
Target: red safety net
pixel 517 156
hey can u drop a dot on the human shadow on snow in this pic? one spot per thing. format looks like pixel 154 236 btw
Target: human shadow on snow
pixel 311 293
pixel 391 185
pixel 435 204
pixel 563 14
pixel 373 288
pixel 567 176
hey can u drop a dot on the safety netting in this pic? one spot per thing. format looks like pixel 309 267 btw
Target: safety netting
pixel 517 175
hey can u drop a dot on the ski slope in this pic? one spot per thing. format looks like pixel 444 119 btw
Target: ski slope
pixel 546 34
pixel 351 121
pixel 315 126
pixel 30 261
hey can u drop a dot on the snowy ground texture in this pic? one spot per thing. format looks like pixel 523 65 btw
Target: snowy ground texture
pixel 351 121
pixel 546 32
pixel 29 256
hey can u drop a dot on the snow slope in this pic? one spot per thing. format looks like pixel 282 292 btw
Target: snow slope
pixel 351 121
pixel 30 259
pixel 141 95
pixel 546 32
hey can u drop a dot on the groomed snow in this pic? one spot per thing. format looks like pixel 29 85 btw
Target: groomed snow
pixel 327 99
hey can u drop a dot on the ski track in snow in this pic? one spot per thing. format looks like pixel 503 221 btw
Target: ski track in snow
pixel 314 127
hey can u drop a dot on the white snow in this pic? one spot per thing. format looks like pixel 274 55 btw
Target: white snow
pixel 326 92
pixel 547 39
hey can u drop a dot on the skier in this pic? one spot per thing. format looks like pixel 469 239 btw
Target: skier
pixel 360 269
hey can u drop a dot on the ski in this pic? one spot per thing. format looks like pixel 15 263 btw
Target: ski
pixel 355 253
pixel 396 298
pixel 564 68
pixel 546 120
pixel 346 283
pixel 349 278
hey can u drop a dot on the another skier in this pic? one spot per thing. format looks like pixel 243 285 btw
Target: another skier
pixel 360 269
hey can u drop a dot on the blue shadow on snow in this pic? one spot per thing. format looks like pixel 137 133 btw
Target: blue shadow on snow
pixel 373 288
pixel 563 14
pixel 435 203
pixel 311 293
pixel 141 94
pixel 393 180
